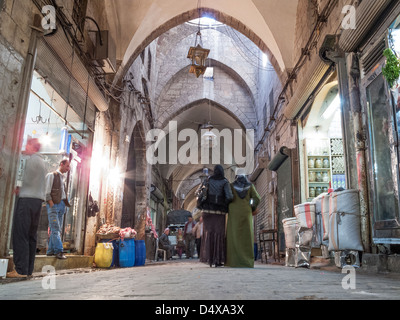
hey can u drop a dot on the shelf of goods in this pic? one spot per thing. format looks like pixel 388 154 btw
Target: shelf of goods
pixel 324 165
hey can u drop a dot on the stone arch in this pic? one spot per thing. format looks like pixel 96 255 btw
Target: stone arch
pixel 194 14
pixel 234 92
pixel 224 56
pixel 135 191
pixel 195 103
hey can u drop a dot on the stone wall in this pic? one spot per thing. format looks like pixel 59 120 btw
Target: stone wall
pixel 283 131
pixel 16 21
pixel 16 17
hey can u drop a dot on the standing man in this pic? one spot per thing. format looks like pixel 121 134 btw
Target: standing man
pixel 189 237
pixel 32 194
pixel 56 198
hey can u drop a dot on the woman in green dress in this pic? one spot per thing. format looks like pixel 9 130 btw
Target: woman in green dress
pixel 240 230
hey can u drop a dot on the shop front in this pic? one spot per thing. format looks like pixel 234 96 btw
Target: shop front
pixel 64 133
pixel 381 108
pixel 321 144
pixel 283 164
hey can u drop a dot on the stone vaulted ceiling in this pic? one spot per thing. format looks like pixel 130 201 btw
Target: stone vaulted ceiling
pixel 268 23
pixel 266 26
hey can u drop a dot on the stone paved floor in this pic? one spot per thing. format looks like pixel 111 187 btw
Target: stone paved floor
pixel 191 280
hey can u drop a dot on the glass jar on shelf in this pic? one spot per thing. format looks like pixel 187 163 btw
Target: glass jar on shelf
pixel 318 176
pixel 325 177
pixel 325 163
pixel 311 176
pixel 312 192
pixel 311 163
pixel 318 163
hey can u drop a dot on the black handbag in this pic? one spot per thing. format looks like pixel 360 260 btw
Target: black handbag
pixel 202 194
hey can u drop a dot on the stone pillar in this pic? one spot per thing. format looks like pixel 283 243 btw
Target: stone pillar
pixel 348 75
pixel 14 143
pixel 355 103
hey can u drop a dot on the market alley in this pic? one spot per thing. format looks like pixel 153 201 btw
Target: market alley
pixel 190 280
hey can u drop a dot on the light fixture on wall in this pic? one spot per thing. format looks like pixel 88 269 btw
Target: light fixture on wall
pixel 39 119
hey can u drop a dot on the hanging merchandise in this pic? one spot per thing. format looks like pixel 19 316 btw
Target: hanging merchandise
pixel 65 142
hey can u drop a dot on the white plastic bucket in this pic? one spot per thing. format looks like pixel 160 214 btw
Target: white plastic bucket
pixel 305 214
pixel 3 267
pixel 290 230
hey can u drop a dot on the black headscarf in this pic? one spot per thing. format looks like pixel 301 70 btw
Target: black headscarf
pixel 218 173
pixel 242 186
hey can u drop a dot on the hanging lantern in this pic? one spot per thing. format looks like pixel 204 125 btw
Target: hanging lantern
pixel 209 139
pixel 198 55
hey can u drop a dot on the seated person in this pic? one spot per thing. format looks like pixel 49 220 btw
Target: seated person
pixel 165 244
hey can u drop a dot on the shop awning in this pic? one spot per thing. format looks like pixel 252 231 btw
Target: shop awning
pixel 367 13
pixel 279 158
pixel 61 46
pixel 315 74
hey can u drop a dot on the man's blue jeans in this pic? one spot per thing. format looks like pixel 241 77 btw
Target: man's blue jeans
pixel 55 215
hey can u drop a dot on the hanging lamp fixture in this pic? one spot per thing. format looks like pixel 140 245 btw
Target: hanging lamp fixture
pixel 208 139
pixel 197 54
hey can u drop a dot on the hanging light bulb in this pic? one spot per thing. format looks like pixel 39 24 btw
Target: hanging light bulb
pixel 46 139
